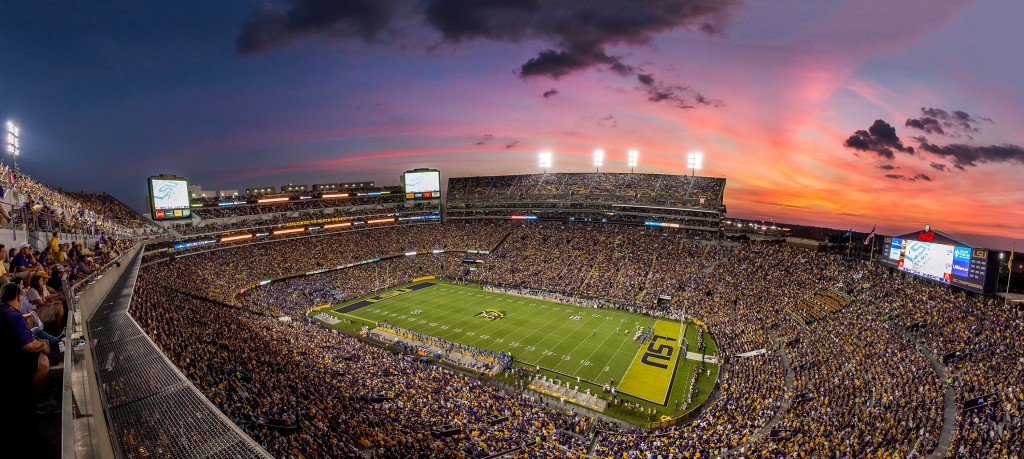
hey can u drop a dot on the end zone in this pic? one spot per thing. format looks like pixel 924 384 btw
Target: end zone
pixel 383 296
pixel 650 375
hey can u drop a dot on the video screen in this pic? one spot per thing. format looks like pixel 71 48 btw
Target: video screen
pixel 422 185
pixel 961 266
pixel 934 261
pixel 169 198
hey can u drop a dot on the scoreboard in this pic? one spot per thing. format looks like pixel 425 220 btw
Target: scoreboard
pixel 422 184
pixel 169 198
pixel 956 265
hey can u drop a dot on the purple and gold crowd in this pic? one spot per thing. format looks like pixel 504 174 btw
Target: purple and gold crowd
pixel 860 382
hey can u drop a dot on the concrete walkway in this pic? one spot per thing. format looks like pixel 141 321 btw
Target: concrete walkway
pixel 949 407
pixel 712 359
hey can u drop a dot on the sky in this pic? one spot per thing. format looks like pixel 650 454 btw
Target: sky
pixel 847 113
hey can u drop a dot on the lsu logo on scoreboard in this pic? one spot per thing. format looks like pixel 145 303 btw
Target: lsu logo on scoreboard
pixel 491 314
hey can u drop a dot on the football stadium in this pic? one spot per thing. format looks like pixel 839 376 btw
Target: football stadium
pixel 538 229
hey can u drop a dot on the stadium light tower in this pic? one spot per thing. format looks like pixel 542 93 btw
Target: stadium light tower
pixel 13 142
pixel 544 160
pixel 632 156
pixel 598 159
pixel 694 160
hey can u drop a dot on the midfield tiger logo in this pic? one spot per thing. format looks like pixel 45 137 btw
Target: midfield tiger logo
pixel 491 314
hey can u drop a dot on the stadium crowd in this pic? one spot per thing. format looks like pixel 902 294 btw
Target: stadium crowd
pixel 681 190
pixel 280 217
pixel 857 383
pixel 41 208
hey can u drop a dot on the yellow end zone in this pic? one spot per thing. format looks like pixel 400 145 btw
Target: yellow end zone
pixel 650 375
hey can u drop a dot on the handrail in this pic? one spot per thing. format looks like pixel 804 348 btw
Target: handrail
pixel 99 271
pixel 67 424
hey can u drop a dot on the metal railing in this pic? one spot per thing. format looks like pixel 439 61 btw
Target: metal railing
pixel 79 433
pixel 124 397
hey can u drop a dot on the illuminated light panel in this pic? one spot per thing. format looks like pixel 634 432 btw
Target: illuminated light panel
pixel 694 160
pixel 289 231
pixel 544 160
pixel 334 195
pixel 667 225
pixel 523 217
pixel 266 200
pixel 236 238
pixel 381 220
pixel 337 225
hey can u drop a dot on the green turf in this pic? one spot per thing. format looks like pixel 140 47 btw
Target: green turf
pixel 597 347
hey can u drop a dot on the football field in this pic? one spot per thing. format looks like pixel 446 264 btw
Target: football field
pixel 596 345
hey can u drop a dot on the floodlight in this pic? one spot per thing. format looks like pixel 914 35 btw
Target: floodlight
pixel 544 160
pixel 694 160
pixel 632 156
pixel 13 139
pixel 598 158
pixel 13 142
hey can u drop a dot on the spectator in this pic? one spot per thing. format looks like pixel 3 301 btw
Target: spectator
pixel 86 266
pixel 58 273
pixel 24 264
pixel 9 256
pixel 22 356
pixel 49 306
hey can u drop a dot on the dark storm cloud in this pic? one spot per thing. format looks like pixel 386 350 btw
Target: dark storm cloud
pixel 558 63
pixel 938 166
pixel 908 179
pixel 680 96
pixel 887 167
pixel 579 31
pixel 273 25
pixel 880 139
pixel 607 121
pixel 926 124
pixel 550 93
pixel 956 123
pixel 964 156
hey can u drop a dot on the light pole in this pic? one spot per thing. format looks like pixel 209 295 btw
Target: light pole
pixel 13 142
pixel 632 157
pixel 598 159
pixel 694 160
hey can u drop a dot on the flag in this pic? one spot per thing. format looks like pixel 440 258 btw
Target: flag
pixel 849 233
pixel 871 235
pixel 1010 264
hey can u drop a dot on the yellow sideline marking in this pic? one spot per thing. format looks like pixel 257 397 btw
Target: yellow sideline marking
pixel 649 377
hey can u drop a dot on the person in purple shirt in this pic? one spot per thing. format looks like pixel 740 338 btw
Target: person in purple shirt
pixel 23 264
pixel 23 359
